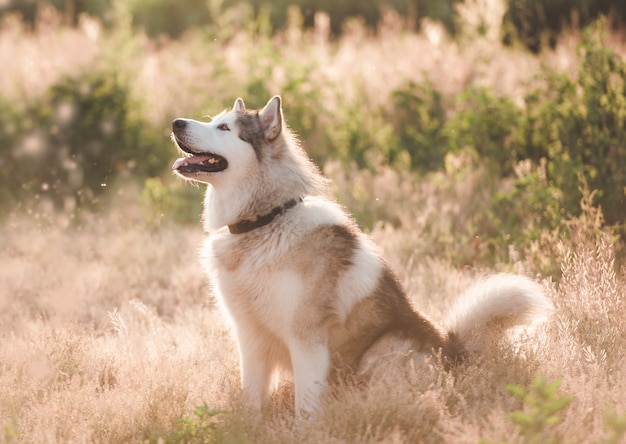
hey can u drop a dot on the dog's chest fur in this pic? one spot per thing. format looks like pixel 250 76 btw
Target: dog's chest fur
pixel 250 279
pixel 304 272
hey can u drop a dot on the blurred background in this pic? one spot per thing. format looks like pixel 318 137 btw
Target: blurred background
pixel 485 123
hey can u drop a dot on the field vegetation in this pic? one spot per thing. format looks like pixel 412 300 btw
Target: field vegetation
pixel 459 147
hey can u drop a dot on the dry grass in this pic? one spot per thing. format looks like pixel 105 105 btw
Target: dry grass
pixel 108 335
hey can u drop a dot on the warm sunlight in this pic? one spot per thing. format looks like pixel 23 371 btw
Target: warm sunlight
pixel 464 142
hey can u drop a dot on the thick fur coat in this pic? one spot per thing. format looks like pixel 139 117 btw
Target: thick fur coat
pixel 305 289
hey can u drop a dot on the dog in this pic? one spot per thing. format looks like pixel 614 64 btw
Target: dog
pixel 306 290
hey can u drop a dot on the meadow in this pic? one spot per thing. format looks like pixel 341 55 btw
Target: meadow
pixel 108 332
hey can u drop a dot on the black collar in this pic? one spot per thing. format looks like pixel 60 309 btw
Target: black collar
pixel 243 226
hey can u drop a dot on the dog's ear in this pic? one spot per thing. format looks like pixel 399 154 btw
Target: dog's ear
pixel 272 118
pixel 239 105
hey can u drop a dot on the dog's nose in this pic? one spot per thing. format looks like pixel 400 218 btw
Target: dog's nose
pixel 179 124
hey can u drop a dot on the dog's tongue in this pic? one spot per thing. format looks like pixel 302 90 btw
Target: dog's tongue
pixel 193 160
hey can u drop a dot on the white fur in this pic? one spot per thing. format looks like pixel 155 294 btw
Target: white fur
pixel 511 300
pixel 261 306
pixel 277 314
pixel 360 280
pixel 224 198
pixel 262 300
pixel 322 212
pixel 311 362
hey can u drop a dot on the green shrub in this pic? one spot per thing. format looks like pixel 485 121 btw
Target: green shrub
pixel 580 127
pixel 542 409
pixel 418 117
pixel 304 107
pixel 176 201
pixel 13 168
pixel 82 135
pixel 200 428
pixel 536 23
pixel 170 17
pixel 29 9
pixel 358 133
pixel 617 425
pixel 529 202
pixel 487 124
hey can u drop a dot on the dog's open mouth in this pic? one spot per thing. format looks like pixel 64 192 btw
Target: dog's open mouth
pixel 198 162
pixel 207 163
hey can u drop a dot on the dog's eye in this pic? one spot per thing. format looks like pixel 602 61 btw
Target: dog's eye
pixel 223 127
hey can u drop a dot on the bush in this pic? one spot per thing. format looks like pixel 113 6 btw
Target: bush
pixel 84 134
pixel 543 407
pixel 11 165
pixel 418 118
pixel 570 136
pixel 357 134
pixel 201 428
pixel 175 201
pixel 537 23
pixel 170 17
pixel 487 124
pixel 580 127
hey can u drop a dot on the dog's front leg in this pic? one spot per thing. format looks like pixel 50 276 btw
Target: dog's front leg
pixel 256 368
pixel 311 363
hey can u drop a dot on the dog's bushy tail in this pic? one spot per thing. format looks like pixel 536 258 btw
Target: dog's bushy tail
pixel 493 305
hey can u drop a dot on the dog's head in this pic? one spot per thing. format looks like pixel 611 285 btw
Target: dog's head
pixel 232 140
pixel 251 160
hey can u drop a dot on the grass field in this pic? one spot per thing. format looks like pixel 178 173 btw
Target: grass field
pixel 108 332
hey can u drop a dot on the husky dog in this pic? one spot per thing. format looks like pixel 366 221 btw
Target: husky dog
pixel 305 289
